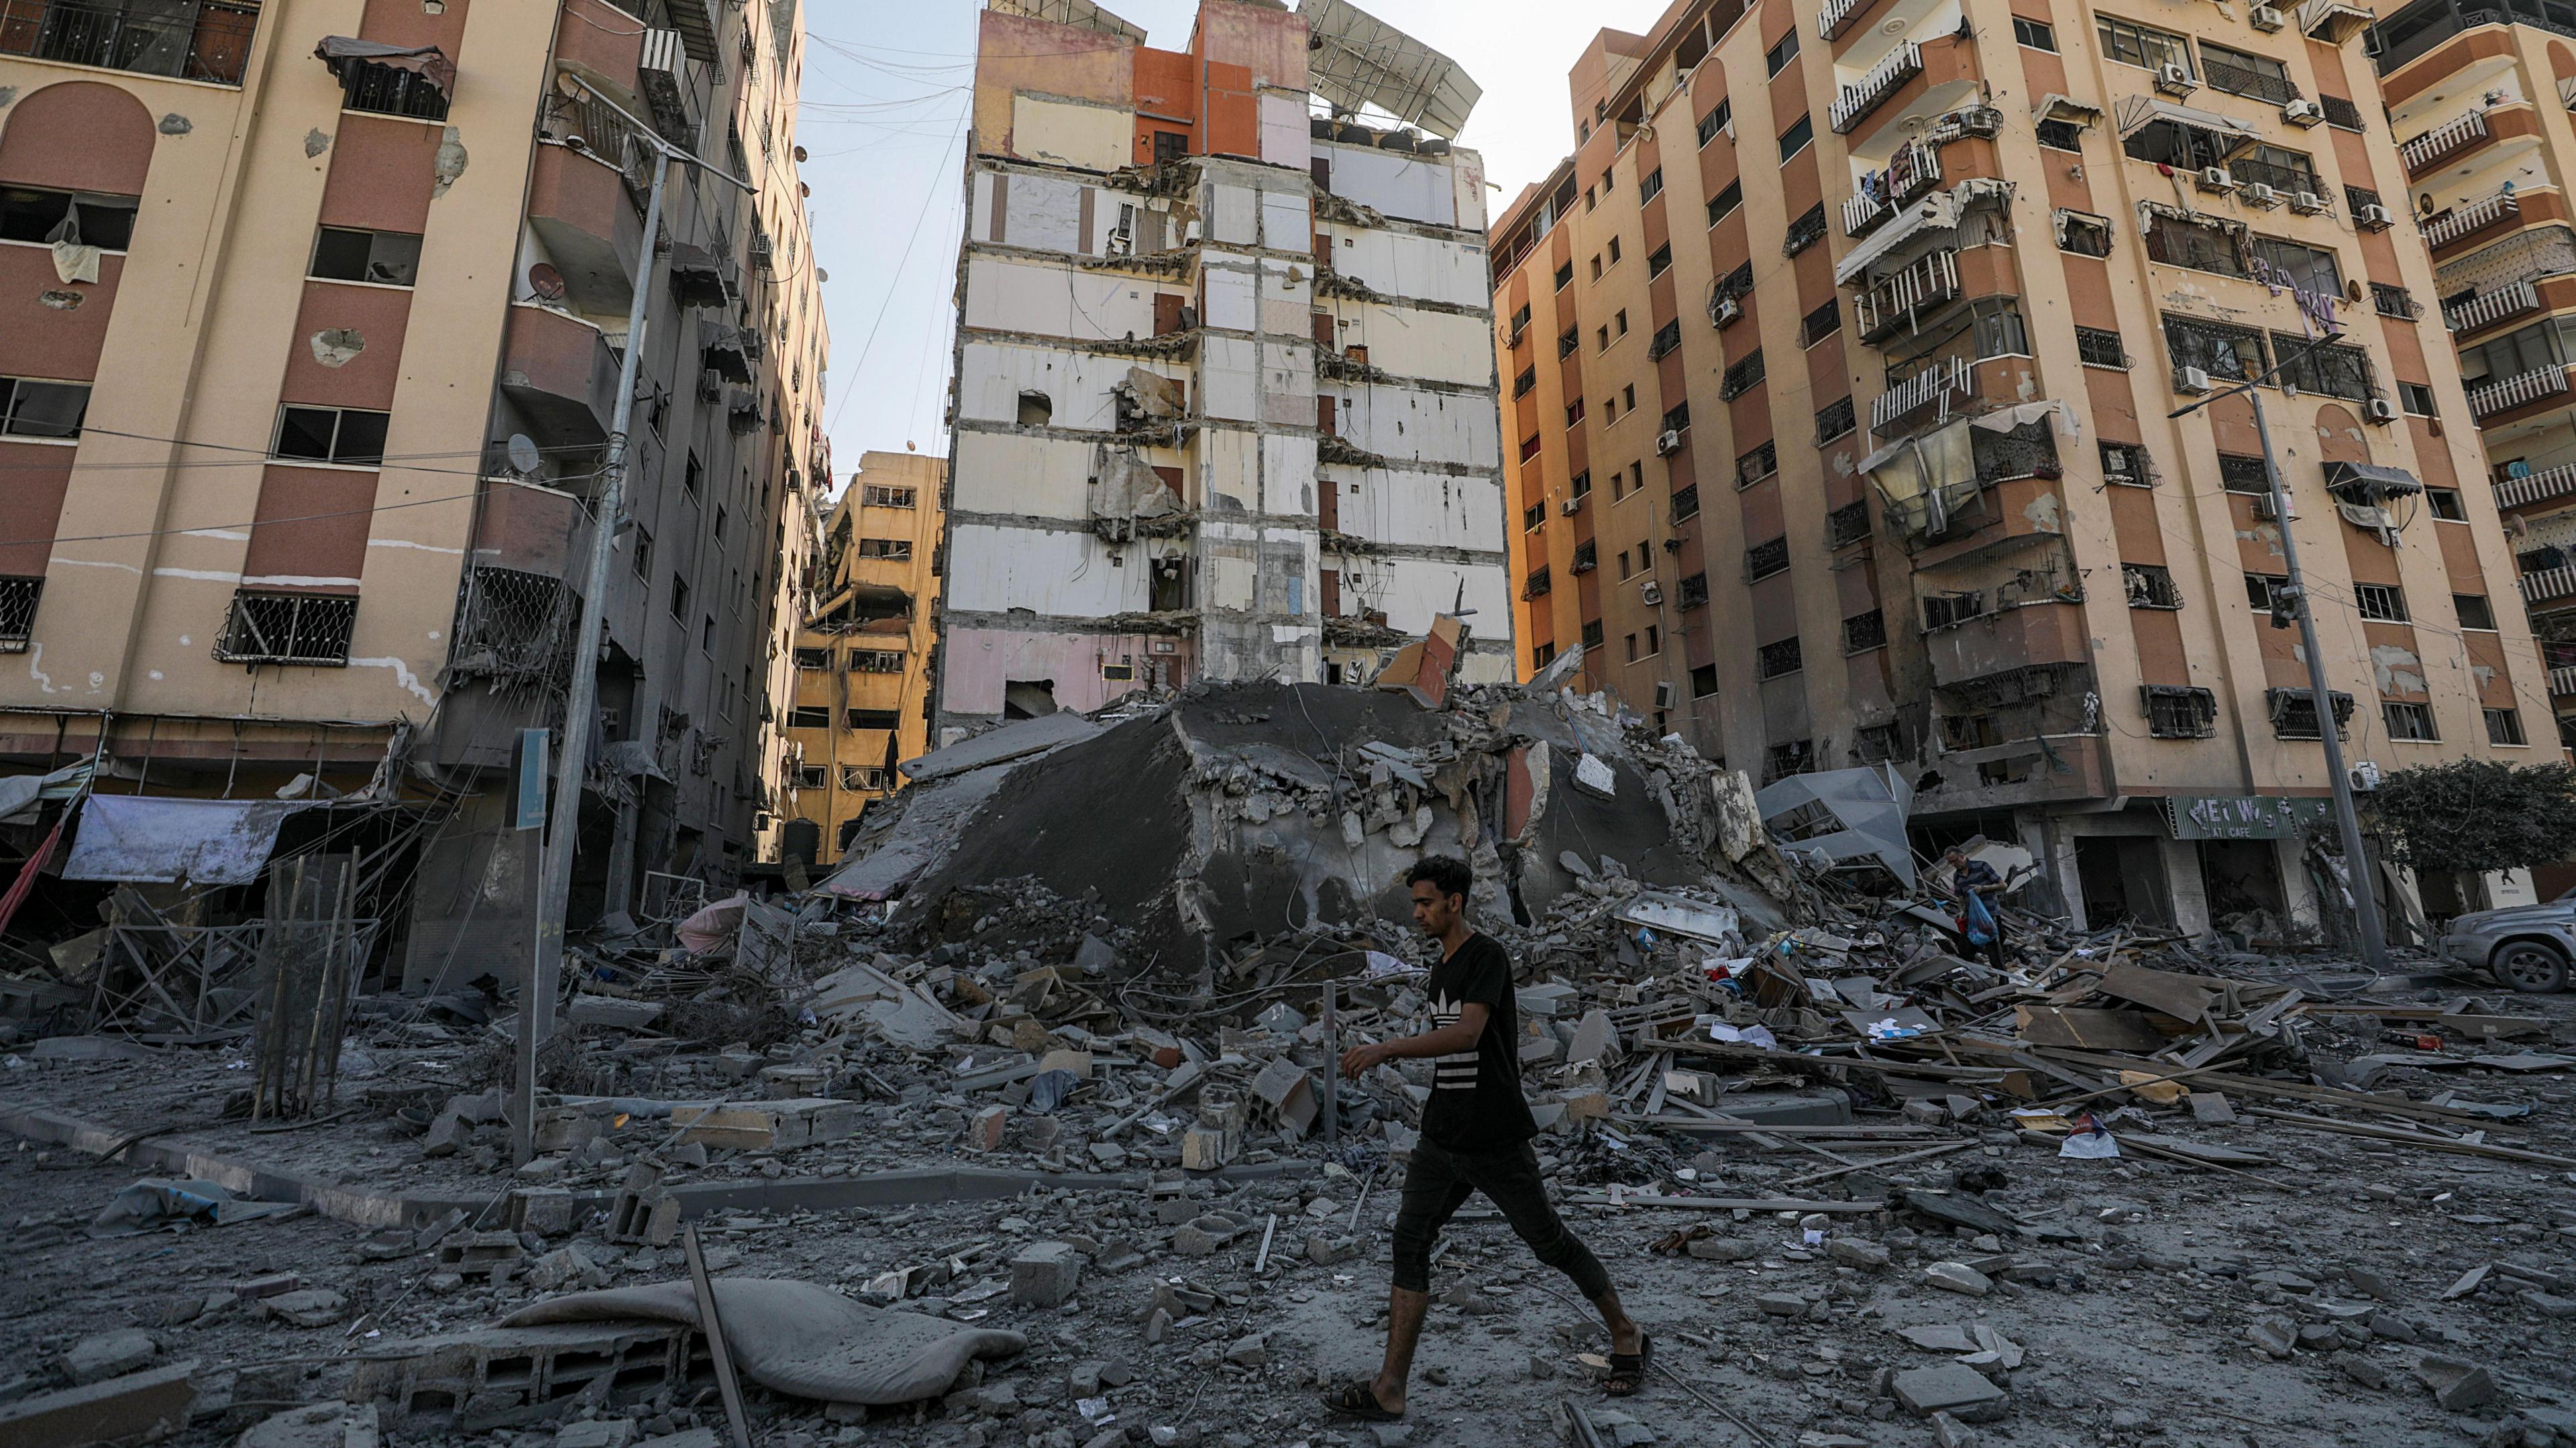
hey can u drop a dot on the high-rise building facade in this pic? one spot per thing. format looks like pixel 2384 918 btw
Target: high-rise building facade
pixel 1224 404
pixel 1845 350
pixel 862 701
pixel 308 367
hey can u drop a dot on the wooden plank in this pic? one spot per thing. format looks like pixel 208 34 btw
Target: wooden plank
pixel 2182 997
pixel 2407 1137
pixel 2097 1030
pixel 712 1328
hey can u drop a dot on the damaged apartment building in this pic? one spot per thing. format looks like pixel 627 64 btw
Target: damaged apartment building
pixel 1224 404
pixel 1844 348
pixel 312 321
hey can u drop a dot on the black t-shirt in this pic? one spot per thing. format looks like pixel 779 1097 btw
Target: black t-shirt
pixel 1476 1103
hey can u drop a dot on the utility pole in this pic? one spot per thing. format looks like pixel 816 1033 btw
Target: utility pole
pixel 554 888
pixel 2365 903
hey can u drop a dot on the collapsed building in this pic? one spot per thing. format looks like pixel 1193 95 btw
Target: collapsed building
pixel 1225 399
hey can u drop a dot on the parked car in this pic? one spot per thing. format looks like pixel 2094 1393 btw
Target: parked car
pixel 2526 947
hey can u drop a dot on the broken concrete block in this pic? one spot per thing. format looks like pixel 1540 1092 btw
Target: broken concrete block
pixel 985 1128
pixel 1723 1249
pixel 312 1307
pixel 1589 1105
pixel 446 1136
pixel 1331 1251
pixel 596 1433
pixel 2209 1108
pixel 1078 1062
pixel 1595 1039
pixel 611 1012
pixel 2276 1336
pixel 319 1425
pixel 1782 1304
pixel 2545 1303
pixel 1958 1277
pixel 1951 1388
pixel 1854 1252
pixel 136 1407
pixel 767 1125
pixel 1205 1148
pixel 1044 1274
pixel 1290 1092
pixel 104 1355
pixel 546 1211
pixel 1546 1001
pixel 1281 1018
pixel 1249 1352
pixel 2458 1386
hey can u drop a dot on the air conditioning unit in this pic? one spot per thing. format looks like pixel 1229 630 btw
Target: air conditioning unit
pixel 1572 506
pixel 2175 79
pixel 2194 380
pixel 2267 19
pixel 1668 442
pixel 2309 203
pixel 1652 592
pixel 2266 509
pixel 1665 694
pixel 1980 121
pixel 2261 195
pixel 1725 311
pixel 2303 112
pixel 2215 178
pixel 2380 409
pixel 2376 217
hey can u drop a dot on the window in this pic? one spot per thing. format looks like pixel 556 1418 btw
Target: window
pixel 42 409
pixel 2259 588
pixel 34 213
pixel 2034 33
pixel 863 777
pixel 1742 377
pixel 1675 420
pixel 1574 412
pixel 1785 51
pixel 813 658
pixel 2357 198
pixel 1685 505
pixel 810 716
pixel 1804 232
pixel 2417 399
pixel 1538 584
pixel 1569 340
pixel 2379 602
pixel 2095 347
pixel 389 258
pixel 679 598
pixel 1529 447
pixel 1587 557
pixel 2415 721
pixel 707 635
pixel 2060 135
pixel 1835 420
pixel 1727 199
pixel 2133 44
pixel 387 91
pixel 1999 330
pixel 2504 726
pixel 720 525
pixel 1940 610
pixel 1771 661
pixel 2126 463
pixel 1602 337
pixel 1527 379
pixel 1737 282
pixel 1668 338
pixel 1795 139
pixel 1542 655
pixel 2395 302
pixel 1610 183
pixel 18 598
pixel 1765 559
pixel 1780 761
pixel 2243 473
pixel 1592 634
pixel 1716 120
pixel 331 435
pixel 1865 631
pixel 1565 276
pixel 2445 504
pixel 1651 187
pixel 694 477
pixel 2083 235
pixel 2333 370
pixel 880 496
pixel 1615 252
pixel 288 628
pixel 2294 713
pixel 1823 322
pixel 1654 641
pixel 2150 585
pixel 1879 743
pixel 1619 322
pixel 2240 74
pixel 2473 611
pixel 1633 655
pixel 876 661
pixel 2202 242
pixel 1658 260
pixel 1580 484
pixel 2229 353
pixel 1847 524
pixel 1693 591
pixel 1754 466
pixel 874 718
pixel 2289 264
pixel 2340 113
pixel 1703 681
pixel 1533 517
pixel 2178 712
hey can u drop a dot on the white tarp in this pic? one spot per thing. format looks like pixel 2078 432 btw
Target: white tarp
pixel 21 793
pixel 201 841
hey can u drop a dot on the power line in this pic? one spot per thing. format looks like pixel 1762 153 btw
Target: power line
pixel 200 528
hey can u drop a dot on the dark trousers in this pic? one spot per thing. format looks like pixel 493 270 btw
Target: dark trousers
pixel 1995 946
pixel 1439 1182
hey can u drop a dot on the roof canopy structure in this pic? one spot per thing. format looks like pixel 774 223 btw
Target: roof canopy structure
pixel 1072 12
pixel 1360 60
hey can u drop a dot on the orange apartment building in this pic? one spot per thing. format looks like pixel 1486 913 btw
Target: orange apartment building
pixel 1839 358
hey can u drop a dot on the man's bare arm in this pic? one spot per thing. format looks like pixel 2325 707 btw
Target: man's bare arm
pixel 1449 1040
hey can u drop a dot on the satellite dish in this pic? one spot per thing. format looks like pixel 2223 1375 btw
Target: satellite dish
pixel 546 282
pixel 800 153
pixel 523 453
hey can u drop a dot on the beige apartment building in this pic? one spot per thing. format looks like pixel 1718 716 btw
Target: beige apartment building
pixel 865 655
pixel 309 356
pixel 1843 350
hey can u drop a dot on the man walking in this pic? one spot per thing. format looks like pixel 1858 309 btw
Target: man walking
pixel 1475 1138
pixel 1974 879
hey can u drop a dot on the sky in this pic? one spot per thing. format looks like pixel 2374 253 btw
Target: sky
pixel 883 123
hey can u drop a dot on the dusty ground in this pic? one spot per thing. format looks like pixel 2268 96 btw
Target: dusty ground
pixel 2135 1330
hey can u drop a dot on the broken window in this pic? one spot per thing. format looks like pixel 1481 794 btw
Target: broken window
pixel 1538 583
pixel 39 214
pixel 2126 463
pixel 1780 761
pixel 1694 591
pixel 2410 721
pixel 887 548
pixel 1776 659
pixel 288 628
pixel 2083 235
pixel 813 658
pixel 29 408
pixel 2150 585
pixel 18 597
pixel 876 661
pixel 1718 119
pixel 346 435
pixel 878 496
pixel 810 716
pixel 2504 726
pixel 1804 232
pixel 863 777
pixel 2473 611
pixel 2227 353
pixel 1823 322
pixel 2259 588
pixel 2179 712
pixel 2197 240
pixel 1940 610
pixel 1171 146
pixel 1587 557
pixel 2336 371
pixel 1036 408
pixel 390 81
pixel 2379 602
pixel 1864 631
pixel 891 718
pixel 2294 713
pixel 1756 465
pixel 643 552
pixel 1879 743
pixel 387 258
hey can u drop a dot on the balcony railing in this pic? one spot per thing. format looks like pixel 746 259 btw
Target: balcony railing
pixel 2412 40
pixel 1872 90
pixel 2288 180
pixel 2442 140
pixel 2516 390
pixel 1830 20
pixel 2548 583
pixel 1862 212
pixel 1937 384
pixel 2236 80
pixel 2460 221
pixel 1898 299
pixel 209 41
pixel 2491 308
pixel 2536 487
pixel 2562 681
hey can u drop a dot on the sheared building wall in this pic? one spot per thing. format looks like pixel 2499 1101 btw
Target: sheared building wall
pixel 1163 396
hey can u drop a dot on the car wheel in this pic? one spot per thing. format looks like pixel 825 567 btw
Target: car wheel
pixel 2531 967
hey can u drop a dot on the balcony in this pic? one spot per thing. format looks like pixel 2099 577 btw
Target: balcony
pixel 2471 218
pixel 1913 170
pixel 1941 384
pixel 2562 681
pixel 583 212
pixel 1872 90
pixel 2453 135
pixel 2052 767
pixel 1836 14
pixel 2536 487
pixel 2549 583
pixel 1894 301
pixel 2236 80
pixel 207 41
pixel 2008 639
pixel 2519 390
pixel 2480 312
pixel 2419 29
pixel 562 373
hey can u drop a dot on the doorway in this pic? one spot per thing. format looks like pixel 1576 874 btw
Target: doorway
pixel 2123 879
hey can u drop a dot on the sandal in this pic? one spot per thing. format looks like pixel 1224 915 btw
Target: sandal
pixel 1358 1399
pixel 1628 1369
